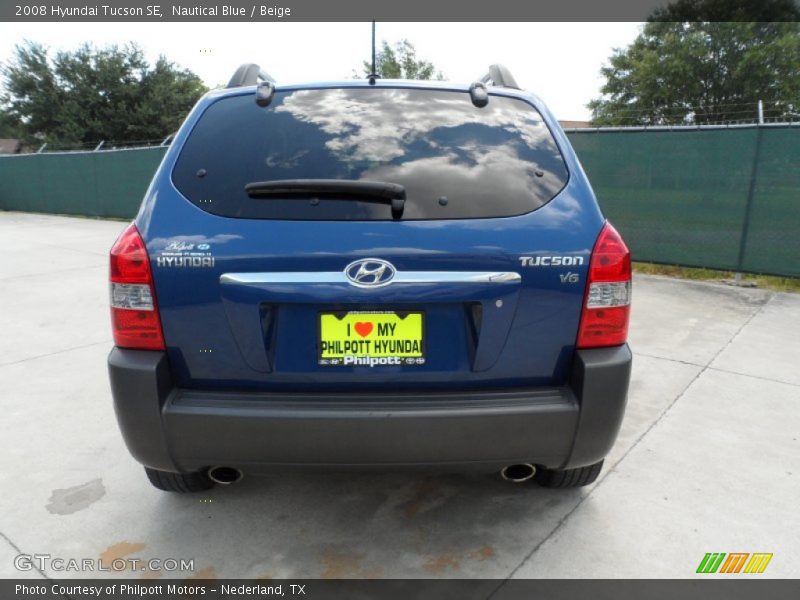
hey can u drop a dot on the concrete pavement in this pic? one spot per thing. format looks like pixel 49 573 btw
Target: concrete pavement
pixel 708 459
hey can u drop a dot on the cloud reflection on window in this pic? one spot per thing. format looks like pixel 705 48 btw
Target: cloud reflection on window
pixel 378 125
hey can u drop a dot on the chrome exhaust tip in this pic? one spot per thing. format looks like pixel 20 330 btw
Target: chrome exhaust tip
pixel 518 473
pixel 224 475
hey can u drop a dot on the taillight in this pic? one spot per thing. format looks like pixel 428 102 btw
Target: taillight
pixel 607 306
pixel 134 312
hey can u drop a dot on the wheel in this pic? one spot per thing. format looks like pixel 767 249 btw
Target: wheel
pixel 181 483
pixel 568 478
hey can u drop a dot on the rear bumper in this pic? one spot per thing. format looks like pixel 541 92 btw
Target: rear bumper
pixel 182 430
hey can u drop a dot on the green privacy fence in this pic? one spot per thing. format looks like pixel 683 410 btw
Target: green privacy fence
pixel 718 198
pixel 99 184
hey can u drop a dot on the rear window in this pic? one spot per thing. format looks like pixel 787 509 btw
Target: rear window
pixel 455 160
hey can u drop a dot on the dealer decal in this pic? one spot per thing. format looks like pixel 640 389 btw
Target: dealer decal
pixel 367 338
pixel 185 254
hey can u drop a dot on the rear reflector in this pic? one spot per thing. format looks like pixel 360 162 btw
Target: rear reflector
pixel 134 313
pixel 606 310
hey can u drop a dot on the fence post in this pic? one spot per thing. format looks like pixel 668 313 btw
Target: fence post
pixel 751 190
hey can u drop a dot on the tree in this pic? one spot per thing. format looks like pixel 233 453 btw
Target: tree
pixel 688 67
pixel 754 11
pixel 9 126
pixel 401 62
pixel 91 94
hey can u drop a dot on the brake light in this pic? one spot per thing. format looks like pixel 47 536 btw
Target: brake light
pixel 607 306
pixel 134 313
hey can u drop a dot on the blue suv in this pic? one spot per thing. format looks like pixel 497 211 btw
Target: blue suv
pixel 372 273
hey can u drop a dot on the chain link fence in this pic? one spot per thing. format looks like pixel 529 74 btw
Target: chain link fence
pixel 715 197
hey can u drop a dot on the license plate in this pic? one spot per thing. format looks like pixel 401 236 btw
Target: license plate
pixel 371 338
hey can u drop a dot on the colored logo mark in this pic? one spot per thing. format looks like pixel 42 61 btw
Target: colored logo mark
pixel 734 562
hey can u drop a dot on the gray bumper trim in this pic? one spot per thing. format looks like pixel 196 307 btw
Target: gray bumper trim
pixel 173 429
pixel 141 382
pixel 599 379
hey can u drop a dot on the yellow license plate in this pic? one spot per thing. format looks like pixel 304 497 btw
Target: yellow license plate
pixel 371 338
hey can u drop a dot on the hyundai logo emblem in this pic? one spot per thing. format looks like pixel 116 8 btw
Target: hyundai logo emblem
pixel 370 272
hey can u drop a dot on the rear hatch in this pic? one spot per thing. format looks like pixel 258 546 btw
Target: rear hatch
pixel 390 238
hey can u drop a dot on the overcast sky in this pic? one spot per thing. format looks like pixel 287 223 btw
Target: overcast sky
pixel 560 62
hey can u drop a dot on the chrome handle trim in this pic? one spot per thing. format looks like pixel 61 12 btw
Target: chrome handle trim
pixel 418 277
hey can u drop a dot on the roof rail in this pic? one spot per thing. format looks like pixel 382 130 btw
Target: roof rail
pixel 500 76
pixel 249 74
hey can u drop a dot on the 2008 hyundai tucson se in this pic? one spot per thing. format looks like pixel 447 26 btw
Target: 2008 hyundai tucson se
pixel 361 274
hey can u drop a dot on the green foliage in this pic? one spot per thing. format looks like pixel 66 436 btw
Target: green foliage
pixel 400 62
pixel 93 94
pixel 9 126
pixel 695 71
pixel 752 11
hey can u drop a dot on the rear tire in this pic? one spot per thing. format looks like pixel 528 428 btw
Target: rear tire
pixel 181 483
pixel 568 478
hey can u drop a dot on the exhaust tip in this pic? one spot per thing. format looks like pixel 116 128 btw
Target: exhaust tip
pixel 224 475
pixel 518 473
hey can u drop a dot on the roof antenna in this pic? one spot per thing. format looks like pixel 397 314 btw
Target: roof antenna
pixel 373 75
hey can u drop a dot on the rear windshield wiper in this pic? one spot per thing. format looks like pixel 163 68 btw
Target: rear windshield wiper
pixel 353 189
